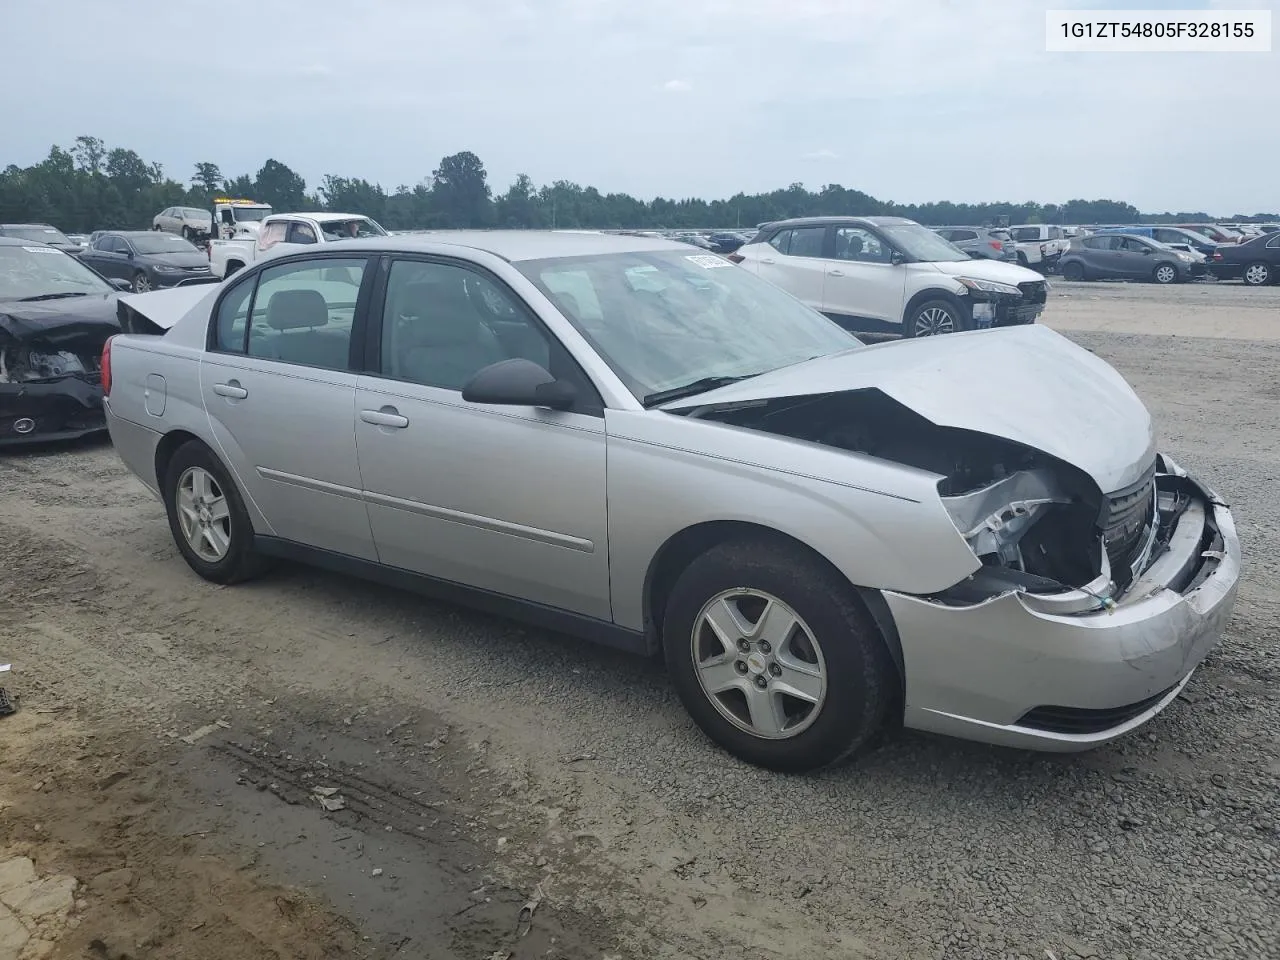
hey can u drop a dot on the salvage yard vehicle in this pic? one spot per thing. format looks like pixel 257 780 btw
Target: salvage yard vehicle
pixel 288 231
pixel 1256 261
pixel 234 217
pixel 1124 256
pixel 40 233
pixel 890 275
pixel 1039 245
pixel 190 223
pixel 981 243
pixel 147 260
pixel 55 316
pixel 634 442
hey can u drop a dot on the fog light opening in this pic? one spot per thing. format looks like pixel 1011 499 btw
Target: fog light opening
pixel 24 425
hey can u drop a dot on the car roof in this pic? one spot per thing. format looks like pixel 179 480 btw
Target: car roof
pixel 818 221
pixel 19 242
pixel 516 245
pixel 42 226
pixel 322 216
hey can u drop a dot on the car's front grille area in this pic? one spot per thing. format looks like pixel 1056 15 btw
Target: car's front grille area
pixel 1082 720
pixel 1034 291
pixel 1127 513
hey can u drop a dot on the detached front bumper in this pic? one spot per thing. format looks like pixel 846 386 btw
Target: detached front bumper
pixel 1009 671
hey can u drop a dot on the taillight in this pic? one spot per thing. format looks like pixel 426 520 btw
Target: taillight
pixel 735 257
pixel 996 244
pixel 105 367
pixel 1215 255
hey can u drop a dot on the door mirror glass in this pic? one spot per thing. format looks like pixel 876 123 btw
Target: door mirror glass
pixel 520 383
pixel 896 257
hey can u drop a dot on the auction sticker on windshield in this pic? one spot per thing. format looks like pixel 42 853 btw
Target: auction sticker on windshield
pixel 708 262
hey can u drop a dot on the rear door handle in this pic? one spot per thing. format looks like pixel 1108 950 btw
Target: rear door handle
pixel 835 273
pixel 230 389
pixel 386 417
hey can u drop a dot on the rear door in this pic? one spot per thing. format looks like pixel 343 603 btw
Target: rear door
pixel 278 384
pixel 864 287
pixel 110 258
pixel 792 260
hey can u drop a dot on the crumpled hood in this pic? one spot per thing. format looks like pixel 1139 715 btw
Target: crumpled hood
pixel 60 320
pixel 1027 384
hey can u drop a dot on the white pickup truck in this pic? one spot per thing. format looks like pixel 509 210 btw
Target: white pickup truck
pixel 288 231
pixel 1039 246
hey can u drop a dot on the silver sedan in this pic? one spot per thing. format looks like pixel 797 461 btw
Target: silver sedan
pixel 640 444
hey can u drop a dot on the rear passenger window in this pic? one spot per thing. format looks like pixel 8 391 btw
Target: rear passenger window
pixel 303 312
pixel 807 241
pixel 781 241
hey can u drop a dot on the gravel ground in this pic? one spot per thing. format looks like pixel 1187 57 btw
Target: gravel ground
pixel 538 767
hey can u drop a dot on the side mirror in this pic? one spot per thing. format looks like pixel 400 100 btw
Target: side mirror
pixel 1147 251
pixel 519 383
pixel 896 258
pixel 121 284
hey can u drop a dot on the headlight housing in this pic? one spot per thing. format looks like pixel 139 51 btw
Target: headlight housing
pixel 990 286
pixel 1186 258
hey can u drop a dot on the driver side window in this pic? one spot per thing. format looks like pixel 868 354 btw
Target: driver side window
pixel 443 323
pixel 863 246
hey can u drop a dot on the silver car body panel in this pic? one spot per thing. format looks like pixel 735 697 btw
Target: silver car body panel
pixel 572 512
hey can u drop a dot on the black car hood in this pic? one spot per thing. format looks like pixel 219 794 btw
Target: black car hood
pixel 62 320
pixel 193 259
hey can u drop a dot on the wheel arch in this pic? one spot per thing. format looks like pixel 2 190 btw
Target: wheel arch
pixel 683 547
pixel 937 293
pixel 169 444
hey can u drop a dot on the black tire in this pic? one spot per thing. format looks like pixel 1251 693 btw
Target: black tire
pixel 240 562
pixel 1022 261
pixel 1073 270
pixel 188 234
pixel 926 313
pixel 860 676
pixel 1165 274
pixel 1258 274
pixel 141 282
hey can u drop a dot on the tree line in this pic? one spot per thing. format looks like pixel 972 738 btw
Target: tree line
pixel 90 186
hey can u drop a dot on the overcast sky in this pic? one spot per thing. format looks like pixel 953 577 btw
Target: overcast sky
pixel 908 100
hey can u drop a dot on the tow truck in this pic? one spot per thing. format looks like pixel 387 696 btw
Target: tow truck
pixel 238 218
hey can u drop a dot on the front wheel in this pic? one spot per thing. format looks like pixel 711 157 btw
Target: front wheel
pixel 1166 273
pixel 934 318
pixel 1073 270
pixel 1258 274
pixel 207 517
pixel 141 282
pixel 774 656
pixel 188 234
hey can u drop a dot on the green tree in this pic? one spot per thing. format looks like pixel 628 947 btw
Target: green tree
pixel 279 186
pixel 207 177
pixel 460 191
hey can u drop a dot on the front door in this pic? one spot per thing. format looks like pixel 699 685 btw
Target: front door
pixel 506 499
pixel 864 287
pixel 279 389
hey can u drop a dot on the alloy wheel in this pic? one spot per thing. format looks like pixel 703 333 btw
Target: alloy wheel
pixel 759 664
pixel 1165 273
pixel 934 321
pixel 1257 274
pixel 204 514
pixel 141 283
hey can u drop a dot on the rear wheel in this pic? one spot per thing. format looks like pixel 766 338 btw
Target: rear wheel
pixel 1258 274
pixel 1073 270
pixel 774 656
pixel 1165 273
pixel 207 517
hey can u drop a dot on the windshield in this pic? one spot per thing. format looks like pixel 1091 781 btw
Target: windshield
pixel 663 320
pixel 921 243
pixel 43 234
pixel 40 271
pixel 242 214
pixel 354 229
pixel 161 243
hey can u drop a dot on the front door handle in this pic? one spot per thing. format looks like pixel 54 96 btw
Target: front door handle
pixel 835 273
pixel 230 389
pixel 386 417
pixel 766 260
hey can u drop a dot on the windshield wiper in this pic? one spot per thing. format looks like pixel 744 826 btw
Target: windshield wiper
pixel 689 389
pixel 53 296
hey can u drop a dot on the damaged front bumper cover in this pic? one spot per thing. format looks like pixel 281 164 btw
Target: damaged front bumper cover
pixel 40 411
pixel 1071 670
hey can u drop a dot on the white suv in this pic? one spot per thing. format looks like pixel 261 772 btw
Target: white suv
pixel 890 275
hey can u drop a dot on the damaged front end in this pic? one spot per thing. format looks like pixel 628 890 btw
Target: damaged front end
pixel 50 384
pixel 1089 609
